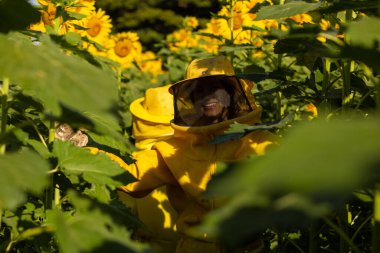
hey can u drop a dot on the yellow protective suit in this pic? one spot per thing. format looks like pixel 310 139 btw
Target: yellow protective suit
pixel 187 161
pixel 151 123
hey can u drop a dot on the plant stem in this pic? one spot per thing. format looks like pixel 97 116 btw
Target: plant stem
pixel 346 71
pixel 232 39
pixel 377 95
pixel 376 216
pixel 49 192
pixel 295 245
pixel 361 227
pixel 31 232
pixel 313 237
pixel 4 111
pixel 343 218
pixel 278 105
pixel 1 216
pixel 342 234
pixel 4 117
pixel 326 77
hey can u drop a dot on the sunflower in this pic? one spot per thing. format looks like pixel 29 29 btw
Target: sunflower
pixel 181 38
pixel 85 7
pixel 49 18
pixel 125 49
pixel 210 44
pixel 148 62
pixel 240 17
pixel 98 26
pixel 44 2
pixel 190 22
pixel 312 111
pixel 302 18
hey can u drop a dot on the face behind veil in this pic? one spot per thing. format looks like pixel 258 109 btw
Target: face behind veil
pixel 209 100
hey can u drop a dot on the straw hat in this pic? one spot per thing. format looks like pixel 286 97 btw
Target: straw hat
pixel 156 106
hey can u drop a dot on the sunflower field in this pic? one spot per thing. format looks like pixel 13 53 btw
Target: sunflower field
pixel 315 65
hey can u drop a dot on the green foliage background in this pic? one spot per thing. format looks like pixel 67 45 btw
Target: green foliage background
pixel 154 19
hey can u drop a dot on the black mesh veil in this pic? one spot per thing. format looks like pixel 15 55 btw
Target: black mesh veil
pixel 209 100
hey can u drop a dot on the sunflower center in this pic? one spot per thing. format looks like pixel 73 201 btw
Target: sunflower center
pixel 123 48
pixel 94 27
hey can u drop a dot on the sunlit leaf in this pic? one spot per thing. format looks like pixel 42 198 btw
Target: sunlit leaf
pixel 20 173
pixel 237 130
pixel 364 32
pixel 46 73
pixel 320 163
pixel 285 10
pixel 111 134
pixel 97 169
pixel 94 228
pixel 72 38
pixel 90 231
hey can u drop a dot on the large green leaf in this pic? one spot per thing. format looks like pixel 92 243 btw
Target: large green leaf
pixel 97 169
pixel 90 230
pixel 237 130
pixel 48 74
pixel 317 165
pixel 285 10
pixel 365 32
pixel 112 137
pixel 19 173
pixel 16 15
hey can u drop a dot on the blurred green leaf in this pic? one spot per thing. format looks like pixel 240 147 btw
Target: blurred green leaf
pixel 319 162
pixel 237 130
pixel 367 56
pixel 20 173
pixel 73 38
pixel 285 10
pixel 301 156
pixel 90 230
pixel 359 5
pixel 46 73
pixel 111 134
pixel 365 32
pixel 75 15
pixel 97 169
pixel 17 15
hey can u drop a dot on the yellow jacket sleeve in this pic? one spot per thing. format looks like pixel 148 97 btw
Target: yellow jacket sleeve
pixel 149 169
pixel 262 141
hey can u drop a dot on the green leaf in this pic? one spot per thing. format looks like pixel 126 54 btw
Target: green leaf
pixel 343 167
pixel 75 15
pixel 17 15
pixel 318 164
pixel 285 10
pixel 367 56
pixel 237 130
pixel 111 131
pixel 73 38
pixel 90 230
pixel 20 173
pixel 97 169
pixel 46 73
pixel 365 32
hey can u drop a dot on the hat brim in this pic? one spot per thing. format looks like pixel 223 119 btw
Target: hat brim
pixel 179 83
pixel 137 109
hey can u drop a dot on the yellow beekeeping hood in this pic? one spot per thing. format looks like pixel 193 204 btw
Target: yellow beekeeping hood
pixel 151 117
pixel 202 73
